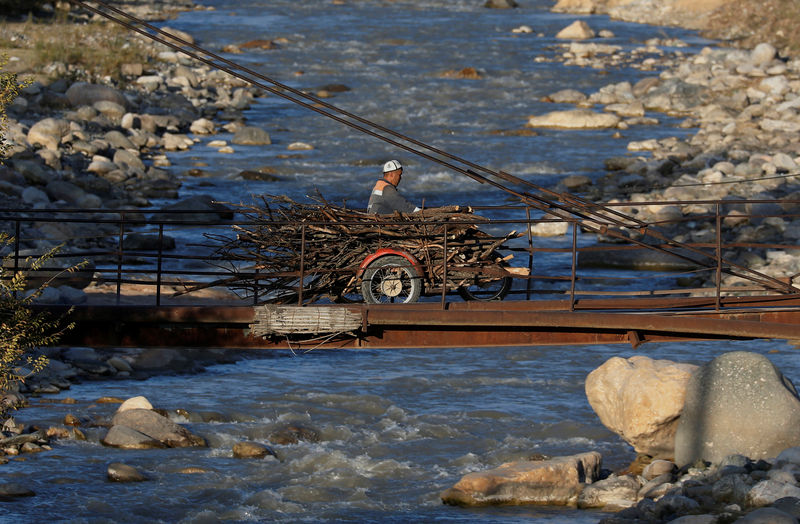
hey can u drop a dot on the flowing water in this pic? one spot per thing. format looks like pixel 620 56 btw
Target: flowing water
pixel 396 427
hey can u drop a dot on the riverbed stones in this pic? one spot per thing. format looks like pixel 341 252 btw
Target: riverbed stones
pixel 557 481
pixel 735 387
pixel 641 400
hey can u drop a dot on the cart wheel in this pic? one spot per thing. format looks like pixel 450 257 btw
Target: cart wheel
pixel 486 290
pixel 391 279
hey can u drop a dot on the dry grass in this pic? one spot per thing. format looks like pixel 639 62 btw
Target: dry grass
pixel 750 22
pixel 99 48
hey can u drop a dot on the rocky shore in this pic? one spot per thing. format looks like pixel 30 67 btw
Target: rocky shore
pixel 693 466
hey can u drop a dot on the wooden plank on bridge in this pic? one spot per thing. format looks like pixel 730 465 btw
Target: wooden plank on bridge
pixel 273 319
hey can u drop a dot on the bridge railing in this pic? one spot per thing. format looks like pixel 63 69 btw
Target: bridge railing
pixel 148 257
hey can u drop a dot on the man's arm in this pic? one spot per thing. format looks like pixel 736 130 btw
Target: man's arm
pixel 396 201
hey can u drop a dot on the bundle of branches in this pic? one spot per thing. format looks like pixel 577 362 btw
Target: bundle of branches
pixel 283 241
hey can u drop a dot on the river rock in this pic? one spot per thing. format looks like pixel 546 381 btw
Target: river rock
pixel 71 194
pixel 618 492
pixel 577 30
pixel 566 96
pixel 292 434
pixel 139 402
pixel 34 172
pixel 48 132
pixel 731 389
pixel 148 242
pixel 124 437
pixel 575 119
pixel 85 94
pixel 176 142
pixel 768 491
pixel 657 468
pixel 201 208
pixel 500 4
pixel 12 490
pixel 124 158
pixel 122 365
pixel 640 399
pixel 575 6
pixel 202 126
pixel 762 54
pixel 156 427
pixel 767 516
pixel 118 140
pixel 119 472
pixel 251 450
pixel 557 481
pixel 112 110
pixel 33 196
pixel 251 136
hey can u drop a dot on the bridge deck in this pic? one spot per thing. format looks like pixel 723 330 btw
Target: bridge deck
pixel 473 324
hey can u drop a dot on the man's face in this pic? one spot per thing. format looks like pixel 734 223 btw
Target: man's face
pixel 393 177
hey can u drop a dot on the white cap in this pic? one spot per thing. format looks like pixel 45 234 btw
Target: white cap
pixel 391 165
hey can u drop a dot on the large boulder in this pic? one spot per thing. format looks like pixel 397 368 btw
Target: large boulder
pixel 575 119
pixel 739 403
pixel 155 426
pixel 557 481
pixel 640 399
pixel 85 94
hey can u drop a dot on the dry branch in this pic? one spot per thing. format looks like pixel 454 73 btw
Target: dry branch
pixel 282 241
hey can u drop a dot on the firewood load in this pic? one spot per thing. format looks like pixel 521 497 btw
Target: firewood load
pixel 326 244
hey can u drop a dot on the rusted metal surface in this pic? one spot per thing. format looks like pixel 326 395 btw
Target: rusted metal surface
pixel 426 325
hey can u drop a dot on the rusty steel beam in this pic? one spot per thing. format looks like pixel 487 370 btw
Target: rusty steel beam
pixel 471 324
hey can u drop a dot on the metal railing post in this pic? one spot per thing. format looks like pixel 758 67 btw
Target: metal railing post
pixel 574 266
pixel 302 264
pixel 444 270
pixel 17 233
pixel 719 256
pixel 158 270
pixel 119 255
pixel 530 255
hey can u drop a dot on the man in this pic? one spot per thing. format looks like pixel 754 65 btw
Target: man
pixel 385 199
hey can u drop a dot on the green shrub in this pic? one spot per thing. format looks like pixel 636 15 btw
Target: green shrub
pixel 9 89
pixel 22 329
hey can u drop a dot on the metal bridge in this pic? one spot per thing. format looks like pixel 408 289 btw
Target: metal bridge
pixel 154 279
pixel 560 301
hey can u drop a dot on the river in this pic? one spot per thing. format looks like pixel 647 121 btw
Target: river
pixel 396 427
